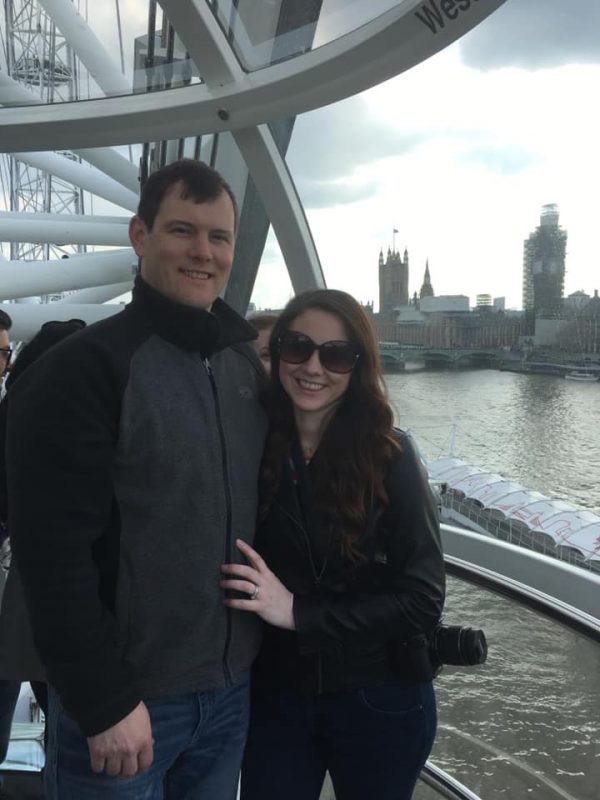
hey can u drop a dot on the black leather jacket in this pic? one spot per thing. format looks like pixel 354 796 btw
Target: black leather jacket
pixel 356 625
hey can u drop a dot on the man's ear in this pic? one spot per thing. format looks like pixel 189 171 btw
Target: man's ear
pixel 137 234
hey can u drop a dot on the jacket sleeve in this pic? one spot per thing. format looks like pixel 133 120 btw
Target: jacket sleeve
pixel 410 527
pixel 62 431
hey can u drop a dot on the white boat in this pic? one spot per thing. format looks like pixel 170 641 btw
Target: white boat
pixel 582 375
pixel 489 504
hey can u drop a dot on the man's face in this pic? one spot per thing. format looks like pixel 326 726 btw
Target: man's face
pixel 187 255
pixel 261 345
pixel 4 346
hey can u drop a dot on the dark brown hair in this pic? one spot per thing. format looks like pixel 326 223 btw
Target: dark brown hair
pixel 357 446
pixel 263 320
pixel 5 321
pixel 199 182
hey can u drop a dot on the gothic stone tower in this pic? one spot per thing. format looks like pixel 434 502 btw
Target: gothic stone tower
pixel 393 280
pixel 427 288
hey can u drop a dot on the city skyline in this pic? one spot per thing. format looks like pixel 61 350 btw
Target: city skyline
pixel 459 155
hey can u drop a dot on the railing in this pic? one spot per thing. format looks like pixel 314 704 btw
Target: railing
pixel 443 785
pixel 524 724
pixel 561 591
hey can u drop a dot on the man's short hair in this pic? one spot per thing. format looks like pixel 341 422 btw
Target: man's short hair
pixel 199 182
pixel 5 321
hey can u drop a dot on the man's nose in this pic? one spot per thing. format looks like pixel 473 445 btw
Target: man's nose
pixel 200 247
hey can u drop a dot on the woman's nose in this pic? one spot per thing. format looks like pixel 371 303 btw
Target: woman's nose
pixel 314 362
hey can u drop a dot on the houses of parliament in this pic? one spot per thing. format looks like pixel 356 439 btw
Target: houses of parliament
pixel 426 320
pixel 548 318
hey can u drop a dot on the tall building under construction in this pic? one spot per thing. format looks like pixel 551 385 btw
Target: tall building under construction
pixel 544 265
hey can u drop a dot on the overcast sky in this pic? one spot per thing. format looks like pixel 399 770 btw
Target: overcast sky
pixel 459 154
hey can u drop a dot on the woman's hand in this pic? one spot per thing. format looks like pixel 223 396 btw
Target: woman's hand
pixel 268 597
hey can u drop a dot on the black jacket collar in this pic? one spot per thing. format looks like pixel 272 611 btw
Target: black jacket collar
pixel 188 327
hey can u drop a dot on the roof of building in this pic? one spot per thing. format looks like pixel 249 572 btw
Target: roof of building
pixel 565 524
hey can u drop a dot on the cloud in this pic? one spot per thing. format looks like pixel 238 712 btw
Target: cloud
pixel 500 160
pixel 331 145
pixel 325 194
pixel 534 34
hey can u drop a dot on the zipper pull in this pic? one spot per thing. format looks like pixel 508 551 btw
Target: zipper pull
pixel 207 366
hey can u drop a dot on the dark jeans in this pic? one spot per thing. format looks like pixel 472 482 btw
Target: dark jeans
pixel 373 741
pixel 198 746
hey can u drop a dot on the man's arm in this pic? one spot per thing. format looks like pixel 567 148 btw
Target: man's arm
pixel 62 432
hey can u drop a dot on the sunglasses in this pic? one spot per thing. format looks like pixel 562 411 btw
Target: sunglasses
pixel 6 353
pixel 296 348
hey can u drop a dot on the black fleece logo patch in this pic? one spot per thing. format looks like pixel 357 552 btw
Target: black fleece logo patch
pixel 246 392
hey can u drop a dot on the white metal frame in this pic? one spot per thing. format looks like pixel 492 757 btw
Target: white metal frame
pixel 387 46
pixel 229 99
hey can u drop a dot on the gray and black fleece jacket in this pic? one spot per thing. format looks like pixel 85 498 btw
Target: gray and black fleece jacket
pixel 133 455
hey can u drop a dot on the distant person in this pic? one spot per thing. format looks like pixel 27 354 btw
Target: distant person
pixel 16 667
pixel 9 690
pixel 5 348
pixel 133 458
pixel 350 576
pixel 263 322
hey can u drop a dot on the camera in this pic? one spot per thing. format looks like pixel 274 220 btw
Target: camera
pixel 453 644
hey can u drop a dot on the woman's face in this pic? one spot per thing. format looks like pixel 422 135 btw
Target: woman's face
pixel 313 389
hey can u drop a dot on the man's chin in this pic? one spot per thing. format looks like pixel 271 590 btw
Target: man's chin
pixel 199 302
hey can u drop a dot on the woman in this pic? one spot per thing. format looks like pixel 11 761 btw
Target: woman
pixel 350 574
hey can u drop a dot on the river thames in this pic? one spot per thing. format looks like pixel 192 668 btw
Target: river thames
pixel 526 723
pixel 540 430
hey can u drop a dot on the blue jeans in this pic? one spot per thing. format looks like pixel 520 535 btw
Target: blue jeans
pixel 373 741
pixel 198 746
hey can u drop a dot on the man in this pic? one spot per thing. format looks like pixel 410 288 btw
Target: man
pixel 133 458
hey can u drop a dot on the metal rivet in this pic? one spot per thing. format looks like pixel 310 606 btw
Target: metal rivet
pixel 223 114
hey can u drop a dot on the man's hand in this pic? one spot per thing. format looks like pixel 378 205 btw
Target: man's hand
pixel 125 749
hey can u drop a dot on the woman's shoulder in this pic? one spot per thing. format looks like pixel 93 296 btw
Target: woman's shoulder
pixel 405 443
pixel 407 458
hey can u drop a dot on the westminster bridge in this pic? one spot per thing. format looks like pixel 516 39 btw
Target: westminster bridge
pixel 394 356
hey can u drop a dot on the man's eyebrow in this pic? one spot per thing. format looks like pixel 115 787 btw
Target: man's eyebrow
pixel 194 226
pixel 180 222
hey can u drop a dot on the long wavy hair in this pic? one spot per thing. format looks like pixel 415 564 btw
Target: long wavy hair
pixel 356 448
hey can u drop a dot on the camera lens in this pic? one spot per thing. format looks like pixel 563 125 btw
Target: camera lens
pixel 459 646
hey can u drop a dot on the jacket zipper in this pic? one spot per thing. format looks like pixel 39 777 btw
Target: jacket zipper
pixel 211 377
pixel 317 582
